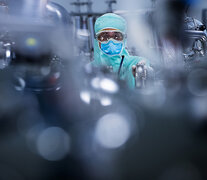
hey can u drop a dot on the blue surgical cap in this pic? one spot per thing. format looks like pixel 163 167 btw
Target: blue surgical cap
pixel 110 20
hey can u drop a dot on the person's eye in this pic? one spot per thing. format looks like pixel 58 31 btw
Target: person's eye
pixel 105 37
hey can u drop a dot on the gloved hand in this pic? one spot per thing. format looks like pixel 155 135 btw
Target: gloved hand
pixel 141 63
pixel 143 74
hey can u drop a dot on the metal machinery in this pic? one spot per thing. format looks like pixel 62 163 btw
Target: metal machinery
pixel 25 42
pixel 93 134
pixel 185 42
pixel 57 13
pixel 5 43
pixel 195 38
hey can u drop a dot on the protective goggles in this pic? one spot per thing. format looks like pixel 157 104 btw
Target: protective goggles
pixel 110 34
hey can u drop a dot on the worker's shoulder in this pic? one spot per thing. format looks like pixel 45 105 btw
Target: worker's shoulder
pixel 137 59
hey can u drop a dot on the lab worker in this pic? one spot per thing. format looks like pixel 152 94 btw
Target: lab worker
pixel 110 47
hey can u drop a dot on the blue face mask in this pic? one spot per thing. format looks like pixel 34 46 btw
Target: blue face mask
pixel 112 48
